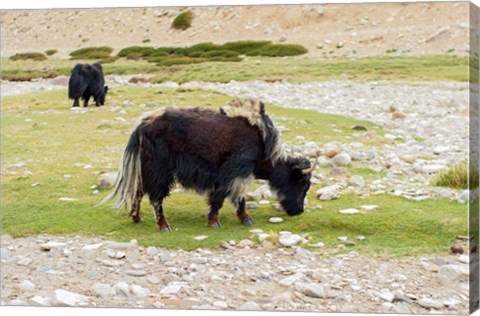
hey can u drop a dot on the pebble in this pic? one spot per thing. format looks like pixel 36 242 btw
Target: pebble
pixel 171 289
pixel 202 237
pixel 51 244
pixel 349 211
pixel 357 181
pixel 139 291
pixel 275 220
pixel 369 207
pixel 103 290
pixel 289 239
pixel 453 273
pixel 315 290
pixel 67 298
pixel 122 288
pixel 136 273
pixel 342 159
pixel 430 303
pixel 249 306
pixel 387 296
pixel 251 205
pixel 26 285
pixel 107 180
pixel 40 300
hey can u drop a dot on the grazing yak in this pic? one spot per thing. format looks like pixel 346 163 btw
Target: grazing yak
pixel 214 152
pixel 87 81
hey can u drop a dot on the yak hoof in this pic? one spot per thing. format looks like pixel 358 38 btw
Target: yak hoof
pixel 216 225
pixel 248 222
pixel 166 229
pixel 137 220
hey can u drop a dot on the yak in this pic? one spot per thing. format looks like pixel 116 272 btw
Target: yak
pixel 87 81
pixel 217 153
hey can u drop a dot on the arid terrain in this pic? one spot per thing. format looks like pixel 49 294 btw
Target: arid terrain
pixel 334 29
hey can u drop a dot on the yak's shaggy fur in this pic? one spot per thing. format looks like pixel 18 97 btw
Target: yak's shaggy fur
pixel 217 153
pixel 87 81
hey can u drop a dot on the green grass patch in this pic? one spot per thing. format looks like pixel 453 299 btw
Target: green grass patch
pixel 183 21
pixel 51 52
pixel 458 176
pixel 40 130
pixel 278 50
pixel 91 52
pixel 25 56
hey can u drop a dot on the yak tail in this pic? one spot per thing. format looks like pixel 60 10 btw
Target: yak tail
pixel 129 179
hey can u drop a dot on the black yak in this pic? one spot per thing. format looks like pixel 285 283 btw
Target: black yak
pixel 87 81
pixel 214 152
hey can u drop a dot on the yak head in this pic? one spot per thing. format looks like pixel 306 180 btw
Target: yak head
pixel 290 179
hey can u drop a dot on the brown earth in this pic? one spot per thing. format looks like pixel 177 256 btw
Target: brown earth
pixel 326 30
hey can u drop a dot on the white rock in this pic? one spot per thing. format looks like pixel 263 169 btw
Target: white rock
pixel 256 231
pixel 249 306
pixel 368 207
pixel 349 211
pixel 357 181
pixel 343 238
pixel 122 288
pixel 275 220
pixel 139 291
pixel 107 180
pixel 202 237
pixel 262 237
pixel 464 259
pixel 220 304
pixel 103 290
pixel 433 168
pixel 329 193
pixel 440 150
pixel 430 303
pixel 387 296
pixel 40 300
pixel 453 273
pixel 289 240
pixel 251 205
pixel 26 285
pixel 317 245
pixel 52 244
pixel 342 159
pixel 92 246
pixel 67 298
pixel 290 280
pixel 361 238
pixel 171 289
pixel 152 251
pixel 315 290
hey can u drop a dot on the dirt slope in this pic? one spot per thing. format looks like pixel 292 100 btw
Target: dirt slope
pixel 333 29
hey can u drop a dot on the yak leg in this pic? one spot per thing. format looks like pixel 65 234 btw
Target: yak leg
pixel 76 102
pixel 242 213
pixel 135 209
pixel 161 219
pixel 215 200
pixel 86 98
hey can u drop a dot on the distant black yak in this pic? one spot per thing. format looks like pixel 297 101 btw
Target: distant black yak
pixel 87 81
pixel 216 153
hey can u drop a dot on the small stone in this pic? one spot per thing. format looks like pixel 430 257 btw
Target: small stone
pixel 398 115
pixel 343 238
pixel 171 289
pixel 331 153
pixel 5 254
pixel 67 298
pixel 152 251
pixel 361 238
pixel 245 243
pixel 408 158
pixel 26 285
pixel 359 128
pixel 262 237
pixel 289 240
pixel 453 273
pixel 328 193
pixel 220 304
pixel 40 300
pixel 107 180
pixel 251 205
pixel 136 273
pixel 342 159
pixel 368 207
pixel 201 237
pixel 387 296
pixel 51 244
pixel 275 220
pixel 430 303
pixel 315 290
pixel 139 291
pixel 349 211
pixel 317 245
pixel 457 249
pixel 249 306
pixel 153 279
pixel 464 259
pixel 434 168
pixel 122 288
pixel 103 290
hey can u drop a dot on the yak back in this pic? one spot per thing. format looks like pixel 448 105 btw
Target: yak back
pixel 83 77
pixel 202 149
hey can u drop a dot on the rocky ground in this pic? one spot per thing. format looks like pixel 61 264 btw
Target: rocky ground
pixel 278 273
pixel 95 272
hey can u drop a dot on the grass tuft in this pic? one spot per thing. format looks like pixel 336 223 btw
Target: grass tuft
pixel 183 21
pixel 25 56
pixel 51 52
pixel 91 52
pixel 459 176
pixel 278 50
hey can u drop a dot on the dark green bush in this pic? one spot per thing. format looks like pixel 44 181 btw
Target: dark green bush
pixel 25 56
pixel 183 21
pixel 51 52
pixel 179 60
pixel 219 53
pixel 242 47
pixel 200 48
pixel 278 50
pixel 91 52
pixel 136 51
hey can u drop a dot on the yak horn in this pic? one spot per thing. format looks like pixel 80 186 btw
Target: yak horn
pixel 312 167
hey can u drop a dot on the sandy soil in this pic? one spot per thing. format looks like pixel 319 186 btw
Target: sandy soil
pixel 342 29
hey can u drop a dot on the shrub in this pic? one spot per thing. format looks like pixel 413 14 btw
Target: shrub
pixel 134 52
pixel 147 40
pixel 25 56
pixel 200 48
pixel 242 47
pixel 51 52
pixel 278 50
pixel 219 53
pixel 179 60
pixel 458 176
pixel 183 21
pixel 91 52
